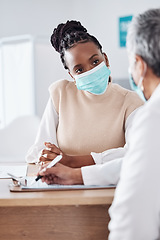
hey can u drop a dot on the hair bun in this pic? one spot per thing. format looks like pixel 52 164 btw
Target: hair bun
pixel 62 30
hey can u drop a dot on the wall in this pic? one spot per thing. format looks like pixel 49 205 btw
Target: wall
pixel 39 17
pixel 101 19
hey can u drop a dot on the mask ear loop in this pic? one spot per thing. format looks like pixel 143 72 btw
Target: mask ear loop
pixel 142 77
pixel 74 82
pixel 129 70
pixel 72 77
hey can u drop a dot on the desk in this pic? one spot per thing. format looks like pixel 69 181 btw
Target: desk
pixel 56 215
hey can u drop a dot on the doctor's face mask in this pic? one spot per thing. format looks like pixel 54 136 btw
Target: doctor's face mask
pixel 136 88
pixel 139 89
pixel 95 80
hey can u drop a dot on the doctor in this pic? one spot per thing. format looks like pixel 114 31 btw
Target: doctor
pixel 135 213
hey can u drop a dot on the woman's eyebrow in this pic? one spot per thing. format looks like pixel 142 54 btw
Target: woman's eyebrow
pixel 80 65
pixel 77 66
pixel 93 56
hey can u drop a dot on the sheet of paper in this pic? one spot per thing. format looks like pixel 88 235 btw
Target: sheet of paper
pixel 43 186
pixel 16 170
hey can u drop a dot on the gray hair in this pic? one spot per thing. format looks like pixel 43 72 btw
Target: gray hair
pixel 143 38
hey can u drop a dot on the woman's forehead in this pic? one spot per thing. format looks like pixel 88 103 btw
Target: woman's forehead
pixel 81 52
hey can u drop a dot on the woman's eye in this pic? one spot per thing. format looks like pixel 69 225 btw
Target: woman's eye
pixel 95 62
pixel 79 70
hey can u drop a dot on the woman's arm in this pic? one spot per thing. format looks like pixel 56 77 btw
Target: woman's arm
pixel 52 151
pixel 92 159
pixel 106 171
pixel 99 174
pixel 46 132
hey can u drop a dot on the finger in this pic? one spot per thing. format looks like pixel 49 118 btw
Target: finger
pixel 44 159
pixel 49 181
pixel 43 179
pixel 43 166
pixel 51 177
pixel 49 171
pixel 46 171
pixel 53 148
pixel 57 180
pixel 40 165
pixel 61 181
pixel 48 154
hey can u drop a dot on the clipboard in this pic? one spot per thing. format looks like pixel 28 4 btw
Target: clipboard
pixel 39 187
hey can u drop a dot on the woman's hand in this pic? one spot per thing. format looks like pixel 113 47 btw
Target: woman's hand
pixel 60 174
pixel 71 161
pixel 50 152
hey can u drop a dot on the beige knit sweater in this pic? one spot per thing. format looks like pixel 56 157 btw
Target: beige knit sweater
pixel 91 123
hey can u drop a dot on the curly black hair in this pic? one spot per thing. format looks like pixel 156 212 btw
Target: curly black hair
pixel 69 33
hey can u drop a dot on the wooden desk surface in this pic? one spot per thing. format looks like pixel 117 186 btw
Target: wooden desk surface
pixel 59 215
pixel 52 198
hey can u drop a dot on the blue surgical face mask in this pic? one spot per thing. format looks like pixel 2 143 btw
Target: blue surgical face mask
pixel 95 80
pixel 136 88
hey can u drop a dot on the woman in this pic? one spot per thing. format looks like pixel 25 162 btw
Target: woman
pixel 85 117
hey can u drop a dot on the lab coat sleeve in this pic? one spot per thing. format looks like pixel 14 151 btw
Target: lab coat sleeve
pixel 46 133
pixel 111 154
pixel 102 174
pixel 136 207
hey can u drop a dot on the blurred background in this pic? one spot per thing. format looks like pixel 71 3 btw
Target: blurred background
pixel 29 64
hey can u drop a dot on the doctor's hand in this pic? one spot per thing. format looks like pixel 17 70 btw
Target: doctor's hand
pixel 60 174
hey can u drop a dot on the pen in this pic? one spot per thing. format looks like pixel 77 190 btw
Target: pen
pixel 51 164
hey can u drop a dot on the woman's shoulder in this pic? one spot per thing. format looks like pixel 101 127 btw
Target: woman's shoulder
pixel 130 99
pixel 59 89
pixel 128 95
pixel 121 90
pixel 60 84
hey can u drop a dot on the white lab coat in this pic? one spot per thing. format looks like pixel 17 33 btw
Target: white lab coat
pixel 135 213
pixel 108 163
